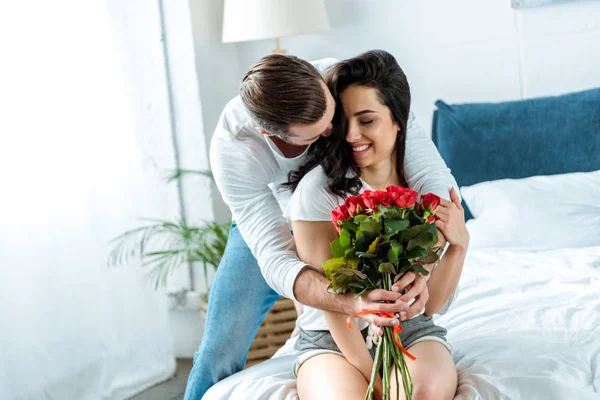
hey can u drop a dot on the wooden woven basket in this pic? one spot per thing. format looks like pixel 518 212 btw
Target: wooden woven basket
pixel 274 331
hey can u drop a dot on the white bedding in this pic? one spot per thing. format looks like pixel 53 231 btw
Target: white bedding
pixel 526 325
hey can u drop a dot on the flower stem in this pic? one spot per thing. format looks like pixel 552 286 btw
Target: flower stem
pixel 374 372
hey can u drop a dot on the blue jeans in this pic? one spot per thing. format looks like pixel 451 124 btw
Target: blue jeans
pixel 238 302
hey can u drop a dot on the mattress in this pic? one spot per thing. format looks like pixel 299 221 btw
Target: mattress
pixel 526 325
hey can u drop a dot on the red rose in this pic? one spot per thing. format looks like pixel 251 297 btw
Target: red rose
pixel 339 214
pixel 351 204
pixel 432 218
pixel 430 202
pixel 369 200
pixel 382 197
pixel 401 197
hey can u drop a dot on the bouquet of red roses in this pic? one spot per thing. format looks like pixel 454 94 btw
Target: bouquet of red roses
pixel 383 235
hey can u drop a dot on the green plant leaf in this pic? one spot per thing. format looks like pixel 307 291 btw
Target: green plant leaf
pixel 344 239
pixel 363 241
pixel 337 250
pixel 414 218
pixel 417 252
pixel 371 227
pixel 395 225
pixel 430 258
pixel 391 212
pixel 176 174
pixel 394 252
pixel 349 226
pixel 411 232
pixel 387 268
pixel 351 272
pixel 418 268
pixel 332 264
pixel 352 261
pixel 373 246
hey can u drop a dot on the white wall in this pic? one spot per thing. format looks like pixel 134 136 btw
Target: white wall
pixel 462 50
pixel 75 173
pixel 218 72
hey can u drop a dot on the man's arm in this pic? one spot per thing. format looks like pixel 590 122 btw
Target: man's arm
pixel 243 182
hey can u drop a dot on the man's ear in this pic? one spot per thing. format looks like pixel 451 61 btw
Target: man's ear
pixel 262 131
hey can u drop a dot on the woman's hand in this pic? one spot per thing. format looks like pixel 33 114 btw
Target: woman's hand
pixel 452 221
pixel 415 286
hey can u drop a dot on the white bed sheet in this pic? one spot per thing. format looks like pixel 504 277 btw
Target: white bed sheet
pixel 526 325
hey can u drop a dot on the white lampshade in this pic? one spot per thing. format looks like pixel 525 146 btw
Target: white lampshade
pixel 264 19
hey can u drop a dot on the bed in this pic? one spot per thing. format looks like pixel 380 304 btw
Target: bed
pixel 526 324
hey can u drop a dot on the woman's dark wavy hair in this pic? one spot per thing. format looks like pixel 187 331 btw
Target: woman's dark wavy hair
pixel 377 69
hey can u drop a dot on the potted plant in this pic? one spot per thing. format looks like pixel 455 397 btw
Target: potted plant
pixel 163 246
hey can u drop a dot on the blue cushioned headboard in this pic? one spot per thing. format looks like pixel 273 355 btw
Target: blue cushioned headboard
pixel 542 136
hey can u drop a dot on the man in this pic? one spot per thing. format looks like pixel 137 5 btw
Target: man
pixel 283 107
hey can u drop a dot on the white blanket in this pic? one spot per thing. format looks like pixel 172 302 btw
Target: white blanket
pixel 526 325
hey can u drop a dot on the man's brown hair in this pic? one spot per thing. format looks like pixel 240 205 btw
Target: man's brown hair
pixel 281 90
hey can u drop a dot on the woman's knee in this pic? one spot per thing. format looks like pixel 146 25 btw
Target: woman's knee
pixel 434 389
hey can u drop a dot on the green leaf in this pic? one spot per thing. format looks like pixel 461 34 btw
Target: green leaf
pixel 337 250
pixel 175 174
pixel 349 226
pixel 373 246
pixel 333 264
pixel 370 227
pixel 360 217
pixel 415 219
pixel 420 269
pixel 430 258
pixel 411 232
pixel 404 268
pixel 351 272
pixel 357 295
pixel 412 243
pixel 394 252
pixel 339 284
pixel 391 212
pixel 392 257
pixel 344 238
pixel 417 252
pixel 425 240
pixel 389 235
pixel 395 225
pixel 352 261
pixel 387 268
pixel 363 241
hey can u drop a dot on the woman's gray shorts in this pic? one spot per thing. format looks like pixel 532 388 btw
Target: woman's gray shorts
pixel 418 329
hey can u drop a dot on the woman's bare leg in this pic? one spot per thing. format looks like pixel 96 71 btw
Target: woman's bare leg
pixel 433 373
pixel 329 376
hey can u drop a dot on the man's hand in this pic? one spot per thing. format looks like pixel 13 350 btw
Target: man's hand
pixel 384 300
pixel 416 288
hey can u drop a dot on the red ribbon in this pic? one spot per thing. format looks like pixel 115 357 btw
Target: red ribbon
pixel 397 328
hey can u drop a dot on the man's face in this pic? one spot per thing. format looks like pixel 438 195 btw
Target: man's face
pixel 303 135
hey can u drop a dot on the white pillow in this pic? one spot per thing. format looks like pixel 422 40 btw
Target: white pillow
pixel 536 213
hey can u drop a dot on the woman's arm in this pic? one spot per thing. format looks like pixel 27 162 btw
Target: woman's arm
pixel 445 277
pixel 313 245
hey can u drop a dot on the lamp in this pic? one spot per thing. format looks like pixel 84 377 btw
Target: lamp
pixel 245 20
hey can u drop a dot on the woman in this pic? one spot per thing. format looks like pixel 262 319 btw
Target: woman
pixel 366 152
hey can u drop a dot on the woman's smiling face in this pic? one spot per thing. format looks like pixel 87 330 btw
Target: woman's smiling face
pixel 371 131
